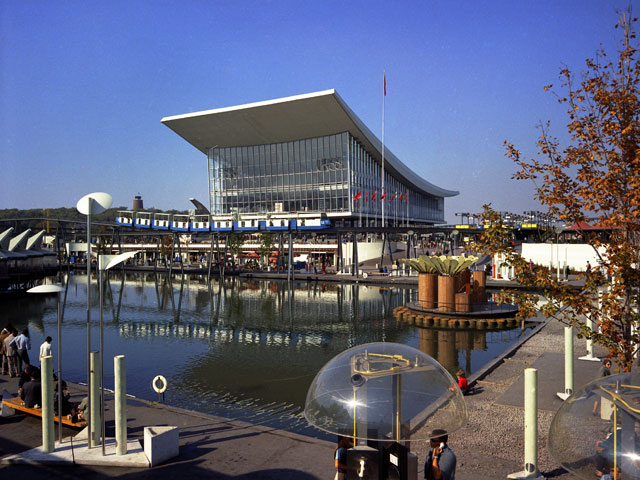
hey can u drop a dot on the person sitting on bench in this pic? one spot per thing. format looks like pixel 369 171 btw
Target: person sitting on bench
pixel 31 392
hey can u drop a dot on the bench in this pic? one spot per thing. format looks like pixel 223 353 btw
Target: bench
pixel 381 274
pixel 17 404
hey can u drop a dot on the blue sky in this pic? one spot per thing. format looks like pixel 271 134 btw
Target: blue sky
pixel 83 86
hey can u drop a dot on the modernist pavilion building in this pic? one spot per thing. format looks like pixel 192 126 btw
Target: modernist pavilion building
pixel 302 156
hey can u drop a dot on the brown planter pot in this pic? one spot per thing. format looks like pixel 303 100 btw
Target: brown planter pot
pixel 479 286
pixel 446 293
pixel 427 290
pixel 463 302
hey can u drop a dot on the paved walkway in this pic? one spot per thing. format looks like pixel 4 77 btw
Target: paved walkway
pixel 489 446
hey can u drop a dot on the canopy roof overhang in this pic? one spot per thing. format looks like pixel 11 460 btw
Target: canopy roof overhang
pixel 288 119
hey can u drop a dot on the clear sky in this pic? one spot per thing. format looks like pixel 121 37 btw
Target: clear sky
pixel 84 84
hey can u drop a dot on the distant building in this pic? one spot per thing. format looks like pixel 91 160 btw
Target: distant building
pixel 307 153
pixel 137 203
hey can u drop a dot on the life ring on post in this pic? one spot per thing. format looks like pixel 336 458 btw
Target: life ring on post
pixel 163 384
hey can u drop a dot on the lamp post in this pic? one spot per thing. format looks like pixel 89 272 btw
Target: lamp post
pixel 89 204
pixel 106 262
pixel 57 289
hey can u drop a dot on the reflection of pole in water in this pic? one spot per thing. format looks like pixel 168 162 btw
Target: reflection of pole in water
pixel 340 293
pixel 177 314
pixel 291 299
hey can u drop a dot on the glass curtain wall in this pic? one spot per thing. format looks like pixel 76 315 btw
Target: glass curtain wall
pixel 308 175
pixel 323 175
pixel 402 203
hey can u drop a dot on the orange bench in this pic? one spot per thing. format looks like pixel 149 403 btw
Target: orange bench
pixel 17 404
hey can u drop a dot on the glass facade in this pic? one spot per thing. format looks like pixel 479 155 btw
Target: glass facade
pixel 332 174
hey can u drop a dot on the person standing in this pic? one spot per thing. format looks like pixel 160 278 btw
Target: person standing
pixel 22 343
pixel 45 348
pixel 340 457
pixel 441 461
pixel 4 366
pixel 12 353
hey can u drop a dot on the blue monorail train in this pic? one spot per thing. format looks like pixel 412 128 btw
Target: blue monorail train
pixel 221 223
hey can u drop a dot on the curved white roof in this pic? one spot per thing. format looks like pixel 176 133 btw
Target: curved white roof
pixel 288 119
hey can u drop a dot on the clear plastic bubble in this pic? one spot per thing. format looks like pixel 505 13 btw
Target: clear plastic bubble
pixel 385 391
pixel 597 429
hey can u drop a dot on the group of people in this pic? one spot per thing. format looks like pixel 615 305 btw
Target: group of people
pixel 15 362
pixel 14 349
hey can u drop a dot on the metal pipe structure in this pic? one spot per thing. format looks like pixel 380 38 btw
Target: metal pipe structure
pixel 89 402
pixel 59 369
pixel 568 363
pixel 94 422
pixel 103 424
pixel 89 204
pixel 120 374
pixel 530 427
pixel 48 431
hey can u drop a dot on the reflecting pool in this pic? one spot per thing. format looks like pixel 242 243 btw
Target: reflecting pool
pixel 240 348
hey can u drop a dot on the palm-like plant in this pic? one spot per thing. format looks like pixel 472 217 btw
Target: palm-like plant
pixel 443 265
pixel 420 264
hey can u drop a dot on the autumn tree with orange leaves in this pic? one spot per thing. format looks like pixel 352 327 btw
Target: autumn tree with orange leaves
pixel 595 178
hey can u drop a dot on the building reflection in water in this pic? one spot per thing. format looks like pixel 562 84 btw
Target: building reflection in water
pixel 242 348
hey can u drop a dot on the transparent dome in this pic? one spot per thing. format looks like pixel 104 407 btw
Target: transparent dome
pixel 385 391
pixel 597 429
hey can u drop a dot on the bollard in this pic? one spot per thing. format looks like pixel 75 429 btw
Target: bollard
pixel 589 356
pixel 94 407
pixel 120 372
pixel 530 427
pixel 568 363
pixel 48 435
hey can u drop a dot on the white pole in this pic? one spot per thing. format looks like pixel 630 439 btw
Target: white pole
pixel 48 432
pixel 568 363
pixel 120 372
pixel 589 356
pixel 530 426
pixel 94 399
pixel 89 210
pixel 558 257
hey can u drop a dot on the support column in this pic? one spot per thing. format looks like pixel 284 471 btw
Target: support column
pixel 48 434
pixel 94 399
pixel 530 427
pixel 355 255
pixel 568 363
pixel 120 373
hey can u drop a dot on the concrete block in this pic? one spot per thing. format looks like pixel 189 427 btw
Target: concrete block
pixel 160 444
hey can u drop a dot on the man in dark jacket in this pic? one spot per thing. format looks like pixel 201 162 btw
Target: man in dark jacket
pixel 31 392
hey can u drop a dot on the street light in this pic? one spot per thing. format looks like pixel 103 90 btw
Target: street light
pixel 106 262
pixel 91 203
pixel 55 289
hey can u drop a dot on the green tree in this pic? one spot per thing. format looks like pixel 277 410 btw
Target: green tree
pixel 267 244
pixel 596 177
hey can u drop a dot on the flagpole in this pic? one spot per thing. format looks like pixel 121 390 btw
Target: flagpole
pixel 384 94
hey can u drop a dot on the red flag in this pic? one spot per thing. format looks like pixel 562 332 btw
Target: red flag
pixel 385 84
pixel 357 197
pixel 374 194
pixel 382 197
pixel 400 197
pixel 393 197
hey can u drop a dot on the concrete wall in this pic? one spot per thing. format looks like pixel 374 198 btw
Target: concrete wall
pixel 366 251
pixel 573 254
